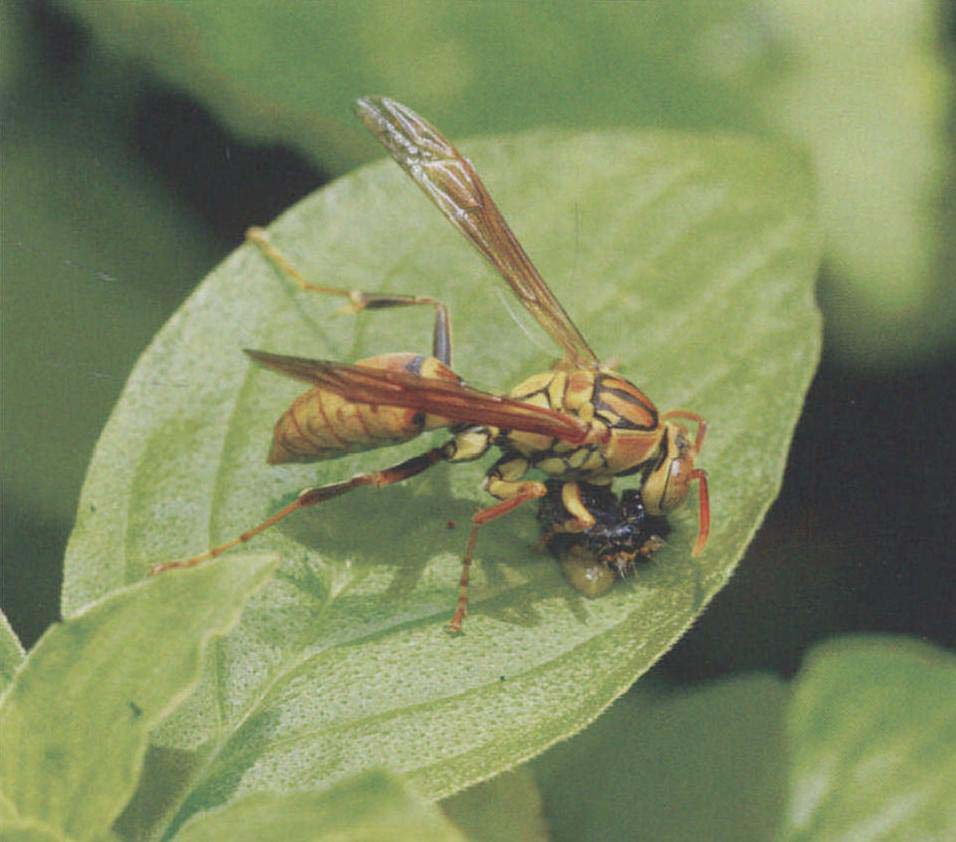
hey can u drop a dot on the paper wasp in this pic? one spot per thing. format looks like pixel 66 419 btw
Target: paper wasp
pixel 579 423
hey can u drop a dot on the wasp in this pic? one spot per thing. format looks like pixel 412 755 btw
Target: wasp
pixel 580 423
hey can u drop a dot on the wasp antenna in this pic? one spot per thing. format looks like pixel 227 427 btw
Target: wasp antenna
pixel 687 415
pixel 704 528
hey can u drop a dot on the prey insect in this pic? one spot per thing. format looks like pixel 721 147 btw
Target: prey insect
pixel 581 424
pixel 622 536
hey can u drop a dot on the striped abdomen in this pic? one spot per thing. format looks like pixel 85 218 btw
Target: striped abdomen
pixel 321 424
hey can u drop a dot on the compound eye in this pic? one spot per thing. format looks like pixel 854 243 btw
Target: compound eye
pixel 678 483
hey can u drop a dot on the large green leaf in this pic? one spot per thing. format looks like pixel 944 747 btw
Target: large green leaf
pixel 873 733
pixel 75 722
pixel 691 260
pixel 370 806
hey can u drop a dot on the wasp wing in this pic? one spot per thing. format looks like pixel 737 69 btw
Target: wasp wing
pixel 446 398
pixel 451 182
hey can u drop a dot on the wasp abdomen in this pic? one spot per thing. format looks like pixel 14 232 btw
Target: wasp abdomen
pixel 321 424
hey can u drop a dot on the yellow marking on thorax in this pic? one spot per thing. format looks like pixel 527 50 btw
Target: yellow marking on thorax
pixel 534 383
pixel 559 380
pixel 471 444
pixel 578 394
pixel 529 443
pixel 578 458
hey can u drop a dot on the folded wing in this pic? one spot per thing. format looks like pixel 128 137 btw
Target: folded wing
pixel 446 398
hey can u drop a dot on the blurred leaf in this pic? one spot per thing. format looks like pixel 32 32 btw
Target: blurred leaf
pixel 505 809
pixel 371 806
pixel 694 265
pixel 28 832
pixel 11 44
pixel 861 746
pixel 873 730
pixel 468 66
pixel 95 253
pixel 863 84
pixel 674 765
pixel 11 652
pixel 75 722
pixel 867 90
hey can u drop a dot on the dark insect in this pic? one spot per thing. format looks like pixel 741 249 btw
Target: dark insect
pixel 623 535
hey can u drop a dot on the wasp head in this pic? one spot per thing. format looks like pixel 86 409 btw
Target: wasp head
pixel 667 484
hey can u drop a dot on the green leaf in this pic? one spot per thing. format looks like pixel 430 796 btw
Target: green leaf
pixel 75 722
pixel 867 90
pixel 11 652
pixel 873 730
pixel 665 764
pixel 79 251
pixel 691 260
pixel 370 806
pixel 91 264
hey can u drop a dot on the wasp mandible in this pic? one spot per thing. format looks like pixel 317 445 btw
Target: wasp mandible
pixel 579 423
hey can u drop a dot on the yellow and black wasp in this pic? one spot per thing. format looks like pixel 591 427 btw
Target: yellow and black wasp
pixel 581 424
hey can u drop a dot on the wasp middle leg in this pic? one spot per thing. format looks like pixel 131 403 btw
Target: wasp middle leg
pixel 503 481
pixel 358 300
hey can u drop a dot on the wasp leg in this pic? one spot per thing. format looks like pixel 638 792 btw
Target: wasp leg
pixel 530 490
pixel 699 420
pixel 441 333
pixel 503 481
pixel 581 517
pixel 314 496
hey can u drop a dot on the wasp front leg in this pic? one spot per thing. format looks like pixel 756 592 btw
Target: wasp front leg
pixel 358 300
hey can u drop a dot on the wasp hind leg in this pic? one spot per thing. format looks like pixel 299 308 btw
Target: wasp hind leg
pixel 358 300
pixel 314 496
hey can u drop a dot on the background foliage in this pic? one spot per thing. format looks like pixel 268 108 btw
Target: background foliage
pixel 140 139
